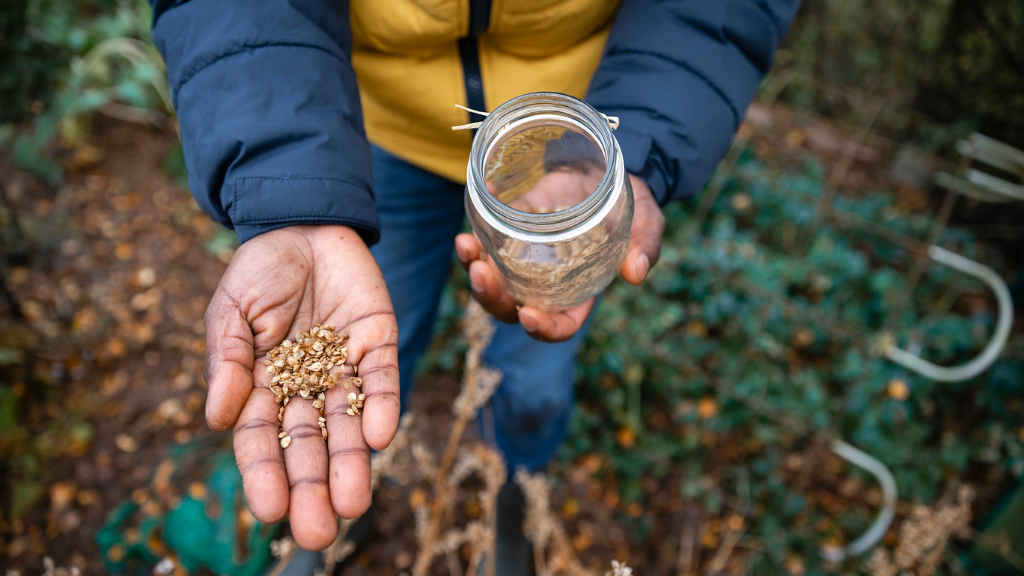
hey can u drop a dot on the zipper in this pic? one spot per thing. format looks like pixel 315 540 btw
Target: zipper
pixel 469 54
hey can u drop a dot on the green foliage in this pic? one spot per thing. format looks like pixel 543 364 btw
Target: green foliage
pixel 93 56
pixel 957 61
pixel 775 329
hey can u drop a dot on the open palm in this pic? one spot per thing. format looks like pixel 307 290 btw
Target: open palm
pixel 277 284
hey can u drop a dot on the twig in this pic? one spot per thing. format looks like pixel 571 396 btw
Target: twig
pixel 688 540
pixel 838 173
pixel 478 385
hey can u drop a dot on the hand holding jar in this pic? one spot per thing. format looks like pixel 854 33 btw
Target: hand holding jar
pixel 554 215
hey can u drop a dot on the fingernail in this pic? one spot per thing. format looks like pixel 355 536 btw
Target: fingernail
pixel 476 281
pixel 643 266
pixel 529 323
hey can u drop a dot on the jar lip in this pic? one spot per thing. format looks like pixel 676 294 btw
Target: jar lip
pixel 519 108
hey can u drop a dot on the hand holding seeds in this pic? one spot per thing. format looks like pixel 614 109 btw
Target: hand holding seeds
pixel 338 379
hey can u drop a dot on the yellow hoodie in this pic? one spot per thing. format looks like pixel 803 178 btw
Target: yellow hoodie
pixel 416 59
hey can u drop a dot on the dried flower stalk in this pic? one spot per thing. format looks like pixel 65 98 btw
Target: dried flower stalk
pixel 479 384
pixel 546 532
pixel 923 537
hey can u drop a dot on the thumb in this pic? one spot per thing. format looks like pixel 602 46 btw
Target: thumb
pixel 645 239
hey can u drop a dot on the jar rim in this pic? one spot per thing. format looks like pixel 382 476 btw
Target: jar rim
pixel 544 103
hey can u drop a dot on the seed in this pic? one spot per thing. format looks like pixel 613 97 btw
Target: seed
pixel 286 441
pixel 323 433
pixel 357 381
pixel 279 364
pixel 351 412
pixel 352 397
pixel 270 370
pixel 318 404
pixel 282 434
pixel 362 397
pixel 321 396
pixel 286 344
pixel 322 420
pixel 316 366
pixel 304 392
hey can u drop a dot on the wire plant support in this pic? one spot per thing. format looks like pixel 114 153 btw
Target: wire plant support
pixel 975 183
pixel 991 351
pixel 880 526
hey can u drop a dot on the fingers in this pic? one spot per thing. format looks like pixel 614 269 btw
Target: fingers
pixel 468 249
pixel 258 454
pixel 645 240
pixel 349 456
pixel 373 347
pixel 229 361
pixel 483 279
pixel 312 518
pixel 554 326
pixel 490 293
pixel 378 368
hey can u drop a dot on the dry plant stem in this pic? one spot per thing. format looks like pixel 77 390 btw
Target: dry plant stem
pixel 923 537
pixel 544 529
pixel 721 557
pixel 381 466
pixel 838 173
pixel 479 330
pixel 1009 556
pixel 688 540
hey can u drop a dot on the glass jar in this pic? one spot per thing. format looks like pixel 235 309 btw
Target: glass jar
pixel 548 196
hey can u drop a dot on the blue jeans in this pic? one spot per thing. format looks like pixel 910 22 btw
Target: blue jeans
pixel 420 215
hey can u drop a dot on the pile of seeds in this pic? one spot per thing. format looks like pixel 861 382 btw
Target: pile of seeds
pixel 303 368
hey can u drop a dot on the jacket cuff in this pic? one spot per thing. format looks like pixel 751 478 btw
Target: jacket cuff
pixel 301 200
pixel 636 156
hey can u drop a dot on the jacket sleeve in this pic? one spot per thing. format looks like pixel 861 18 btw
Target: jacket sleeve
pixel 680 74
pixel 269 112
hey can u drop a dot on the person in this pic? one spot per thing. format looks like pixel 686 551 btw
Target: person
pixel 273 98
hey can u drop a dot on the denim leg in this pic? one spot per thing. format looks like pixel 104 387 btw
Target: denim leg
pixel 532 405
pixel 420 214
